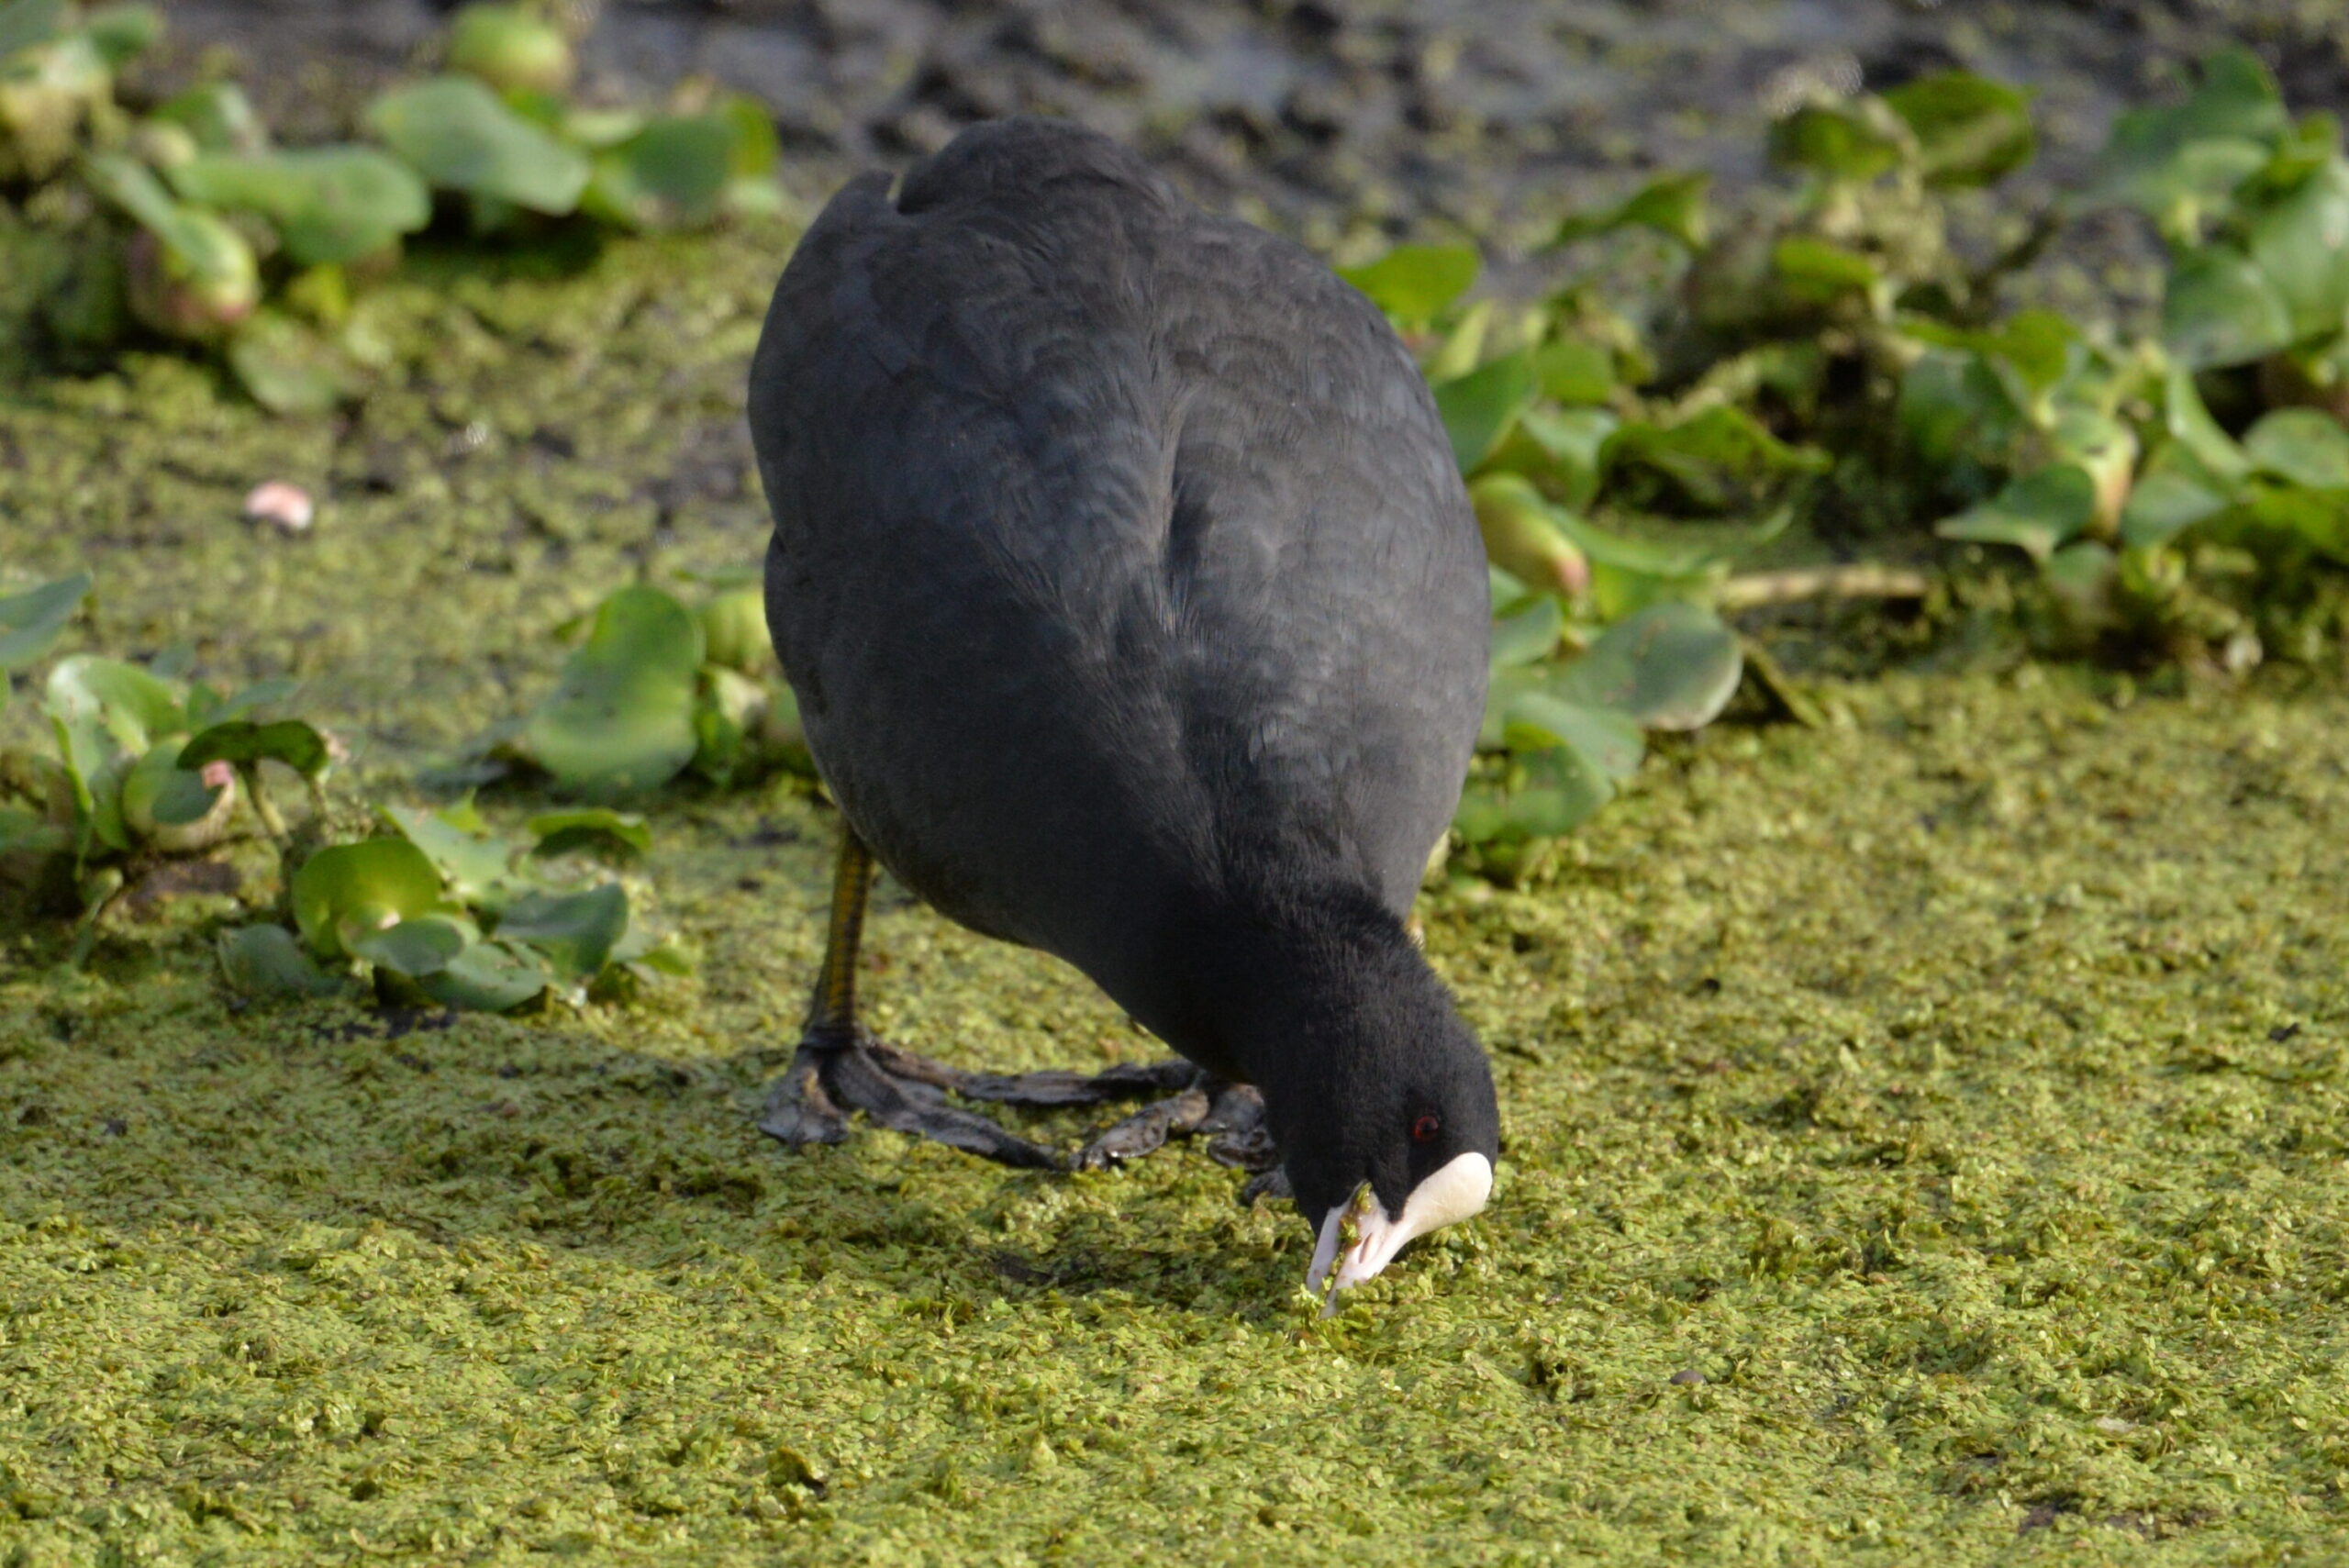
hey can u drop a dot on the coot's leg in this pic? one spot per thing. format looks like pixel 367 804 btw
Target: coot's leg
pixel 839 1066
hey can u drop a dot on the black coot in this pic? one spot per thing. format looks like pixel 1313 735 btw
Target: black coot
pixel 1136 613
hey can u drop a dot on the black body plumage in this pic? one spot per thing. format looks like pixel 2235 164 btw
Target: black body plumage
pixel 1131 596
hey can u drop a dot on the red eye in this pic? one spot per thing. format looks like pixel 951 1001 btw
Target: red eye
pixel 1424 1129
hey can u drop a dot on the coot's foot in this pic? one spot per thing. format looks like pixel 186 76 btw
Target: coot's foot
pixel 842 1067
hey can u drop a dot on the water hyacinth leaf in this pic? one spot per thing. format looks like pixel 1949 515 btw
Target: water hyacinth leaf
pixel 487 977
pixel 622 717
pixel 1415 284
pixel 122 33
pixel 1717 459
pixel 2300 243
pixel 266 960
pixel 1479 408
pixel 2081 575
pixel 29 833
pixel 2170 161
pixel 476 866
pixel 1822 271
pixel 2300 446
pixel 1609 740
pixel 576 931
pixel 2039 512
pixel 160 791
pixel 1558 789
pixel 292 741
pixel 330 205
pixel 456 133
pixel 757 153
pixel 109 697
pixel 1572 372
pixel 342 893
pixel 1672 666
pixel 1529 636
pixel 1508 589
pixel 1669 204
pixel 289 369
pixel 734 631
pixel 1951 404
pixel 672 174
pixel 2222 310
pixel 219 115
pixel 31 622
pixel 1970 131
pixel 561 833
pixel 415 947
pixel 2188 421
pixel 2165 503
pixel 1843 142
pixel 2319 517
pixel 1559 447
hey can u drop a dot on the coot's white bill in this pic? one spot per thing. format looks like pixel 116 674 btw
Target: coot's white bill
pixel 1452 1193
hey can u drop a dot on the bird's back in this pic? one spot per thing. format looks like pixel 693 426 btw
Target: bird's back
pixel 1121 563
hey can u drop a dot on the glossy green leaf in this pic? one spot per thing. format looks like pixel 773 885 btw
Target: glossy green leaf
pixel 575 931
pixel 2172 161
pixel 622 717
pixel 2300 244
pixel 2320 519
pixel 1529 635
pixel 219 115
pixel 292 741
pixel 31 622
pixel 1717 460
pixel 1670 204
pixel 672 174
pixel 2165 503
pixel 123 702
pixel 288 368
pixel 560 832
pixel 487 977
pixel 1672 666
pixel 1479 408
pixel 1953 404
pixel 1562 447
pixel 2222 308
pixel 266 960
pixel 329 204
pixel 1415 284
pixel 2039 512
pixel 1572 372
pixel 1843 142
pixel 458 135
pixel 1970 131
pixel 2300 446
pixel 124 33
pixel 1609 740
pixel 343 892
pixel 477 866
pixel 1820 271
pixel 423 945
pixel 2190 424
pixel 160 791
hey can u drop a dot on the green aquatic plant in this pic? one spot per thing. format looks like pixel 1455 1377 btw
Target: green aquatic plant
pixel 655 690
pixel 206 234
pixel 444 909
pixel 146 767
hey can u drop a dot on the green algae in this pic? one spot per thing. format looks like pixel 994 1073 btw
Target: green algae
pixel 1925 1133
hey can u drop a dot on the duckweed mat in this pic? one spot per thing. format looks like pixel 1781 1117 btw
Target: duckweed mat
pixel 1925 1133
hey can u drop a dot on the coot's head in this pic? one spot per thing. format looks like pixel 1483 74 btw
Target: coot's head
pixel 1381 1099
